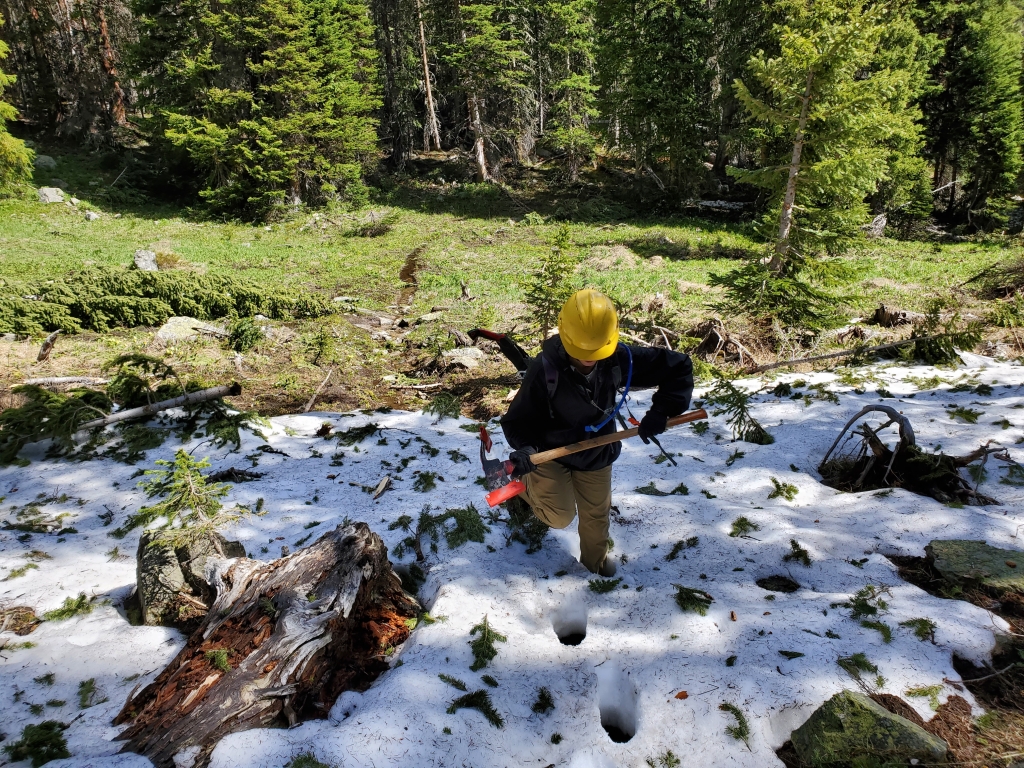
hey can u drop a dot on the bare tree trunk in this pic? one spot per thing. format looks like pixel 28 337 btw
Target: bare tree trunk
pixel 479 156
pixel 108 57
pixel 431 127
pixel 786 217
pixel 280 643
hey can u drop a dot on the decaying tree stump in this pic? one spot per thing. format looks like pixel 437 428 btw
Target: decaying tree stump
pixel 281 641
pixel 865 463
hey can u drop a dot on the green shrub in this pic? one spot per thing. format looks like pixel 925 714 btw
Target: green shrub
pixel 73 606
pixel 244 334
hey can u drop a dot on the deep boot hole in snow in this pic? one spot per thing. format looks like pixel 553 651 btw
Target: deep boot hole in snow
pixel 569 621
pixel 616 698
pixel 778 583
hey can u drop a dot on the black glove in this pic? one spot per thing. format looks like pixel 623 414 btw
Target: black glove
pixel 521 461
pixel 654 423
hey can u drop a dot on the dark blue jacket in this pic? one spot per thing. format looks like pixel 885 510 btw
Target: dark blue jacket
pixel 539 421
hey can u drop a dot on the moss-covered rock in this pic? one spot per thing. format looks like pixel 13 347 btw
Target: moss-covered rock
pixel 851 729
pixel 976 564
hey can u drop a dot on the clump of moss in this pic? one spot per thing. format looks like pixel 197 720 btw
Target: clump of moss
pixel 306 760
pixel 218 657
pixel 39 743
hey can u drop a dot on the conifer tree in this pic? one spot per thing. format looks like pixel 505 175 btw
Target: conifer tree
pixel 656 82
pixel 973 114
pixel 15 157
pixel 567 37
pixel 271 99
pixel 828 111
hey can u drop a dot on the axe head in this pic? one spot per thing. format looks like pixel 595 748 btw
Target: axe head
pixel 497 474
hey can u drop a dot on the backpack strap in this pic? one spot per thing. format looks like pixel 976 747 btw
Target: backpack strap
pixel 550 381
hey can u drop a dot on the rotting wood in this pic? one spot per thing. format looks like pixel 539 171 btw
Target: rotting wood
pixel 59 381
pixel 843 353
pixel 890 318
pixel 47 348
pixel 295 633
pixel 192 398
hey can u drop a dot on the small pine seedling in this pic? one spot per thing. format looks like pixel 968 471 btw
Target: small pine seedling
pixel 603 586
pixel 55 703
pixel 17 573
pixel 425 481
pixel 741 526
pixel 48 679
pixel 931 692
pixel 866 602
pixel 306 760
pixel 679 546
pixel 87 694
pixel 39 743
pixel 668 760
pixel 556 738
pixel 489 680
pixel 740 731
pixel 483 646
pixel 797 553
pixel 72 607
pixel 696 600
pixel 480 701
pixel 856 664
pixel 735 403
pixel 544 702
pixel 924 629
pixel 445 406
pixel 454 682
pixel 788 491
pixel 968 415
pixel 736 455
pixel 791 654
pixel 879 626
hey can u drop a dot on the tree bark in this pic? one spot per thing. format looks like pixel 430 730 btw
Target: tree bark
pixel 479 156
pixel 431 127
pixel 192 398
pixel 781 254
pixel 280 643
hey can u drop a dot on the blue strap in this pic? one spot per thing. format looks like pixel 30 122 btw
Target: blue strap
pixel 625 393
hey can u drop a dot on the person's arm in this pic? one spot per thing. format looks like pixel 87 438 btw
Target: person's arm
pixel 671 372
pixel 524 421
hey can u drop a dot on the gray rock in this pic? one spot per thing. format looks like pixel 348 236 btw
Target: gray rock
pixel 467 357
pixel 145 260
pixel 171 587
pixel 851 728
pixel 55 182
pixel 91 216
pixel 184 328
pixel 45 163
pixel 430 317
pixel 976 564
pixel 50 195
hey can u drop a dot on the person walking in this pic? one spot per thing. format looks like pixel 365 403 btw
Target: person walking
pixel 570 393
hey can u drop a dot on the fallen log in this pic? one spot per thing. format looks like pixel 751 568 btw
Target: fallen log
pixel 280 643
pixel 60 381
pixel 192 398
pixel 47 348
pixel 860 350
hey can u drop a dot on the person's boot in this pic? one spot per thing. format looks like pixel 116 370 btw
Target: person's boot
pixel 608 567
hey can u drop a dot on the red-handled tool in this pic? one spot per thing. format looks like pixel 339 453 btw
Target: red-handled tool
pixel 498 474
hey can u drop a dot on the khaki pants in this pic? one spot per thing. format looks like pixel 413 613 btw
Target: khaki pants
pixel 556 493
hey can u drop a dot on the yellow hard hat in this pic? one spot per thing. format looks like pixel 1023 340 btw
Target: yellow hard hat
pixel 588 325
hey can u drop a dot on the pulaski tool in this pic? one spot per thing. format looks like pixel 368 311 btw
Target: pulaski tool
pixel 504 485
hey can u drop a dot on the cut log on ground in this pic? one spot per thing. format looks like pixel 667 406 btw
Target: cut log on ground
pixel 281 642
pixel 890 318
pixel 192 398
pixel 65 381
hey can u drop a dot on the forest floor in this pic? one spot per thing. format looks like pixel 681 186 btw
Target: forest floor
pixel 409 254
pixel 643 668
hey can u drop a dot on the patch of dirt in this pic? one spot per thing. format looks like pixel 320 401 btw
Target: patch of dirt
pixel 19 620
pixel 897 706
pixel 608 256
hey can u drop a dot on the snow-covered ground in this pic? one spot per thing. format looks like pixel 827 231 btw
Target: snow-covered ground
pixel 640 649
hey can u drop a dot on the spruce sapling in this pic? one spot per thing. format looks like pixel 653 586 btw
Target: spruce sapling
pixel 797 553
pixel 483 646
pixel 39 743
pixel 696 600
pixel 740 731
pixel 734 403
pixel 544 702
pixel 550 285
pixel 480 701
pixel 924 629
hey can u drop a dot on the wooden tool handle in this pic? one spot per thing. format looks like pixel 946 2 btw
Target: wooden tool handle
pixel 614 437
